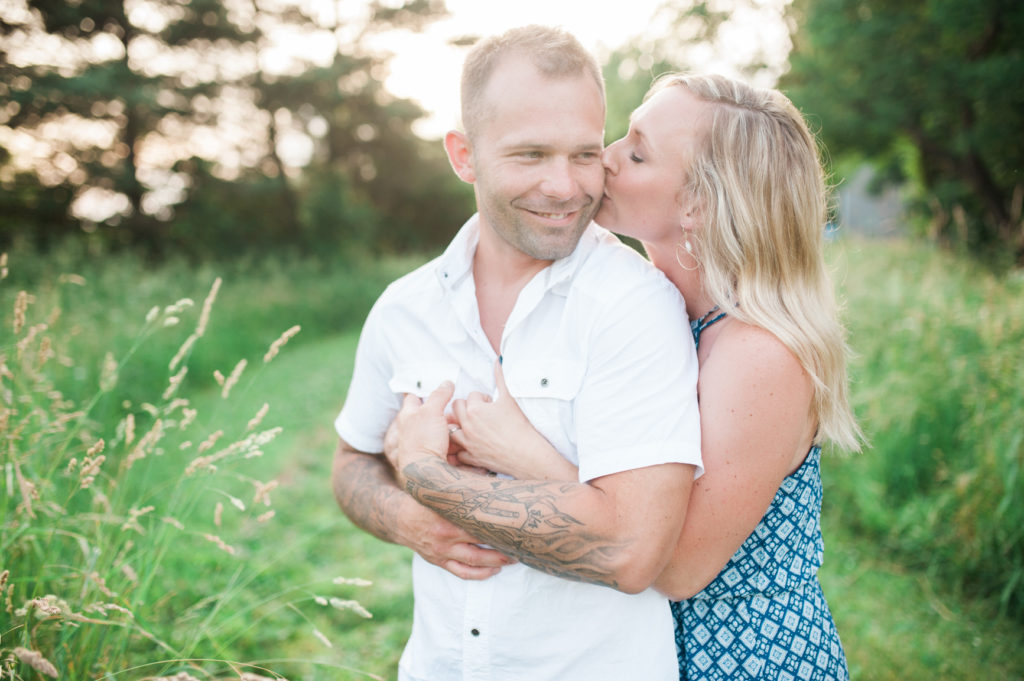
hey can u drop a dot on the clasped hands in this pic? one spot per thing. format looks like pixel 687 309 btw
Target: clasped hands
pixel 479 433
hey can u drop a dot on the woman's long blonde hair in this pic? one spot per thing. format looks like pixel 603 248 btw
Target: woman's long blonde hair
pixel 759 186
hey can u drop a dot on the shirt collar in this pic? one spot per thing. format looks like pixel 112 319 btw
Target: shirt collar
pixel 456 263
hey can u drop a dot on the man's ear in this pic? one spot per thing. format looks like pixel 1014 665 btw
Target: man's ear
pixel 456 144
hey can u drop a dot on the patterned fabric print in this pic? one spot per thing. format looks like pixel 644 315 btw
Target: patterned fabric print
pixel 765 616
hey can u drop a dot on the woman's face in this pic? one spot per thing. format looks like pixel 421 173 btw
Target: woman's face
pixel 645 171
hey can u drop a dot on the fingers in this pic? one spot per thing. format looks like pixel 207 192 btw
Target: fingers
pixel 456 442
pixel 409 401
pixel 440 397
pixel 459 412
pixel 463 571
pixel 477 556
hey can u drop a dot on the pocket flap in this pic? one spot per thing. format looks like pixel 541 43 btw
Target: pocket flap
pixel 422 378
pixel 556 379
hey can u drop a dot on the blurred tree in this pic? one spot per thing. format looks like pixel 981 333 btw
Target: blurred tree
pixel 87 83
pixel 183 123
pixel 746 38
pixel 628 75
pixel 929 91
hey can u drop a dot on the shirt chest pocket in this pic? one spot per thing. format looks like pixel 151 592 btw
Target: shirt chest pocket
pixel 422 378
pixel 546 391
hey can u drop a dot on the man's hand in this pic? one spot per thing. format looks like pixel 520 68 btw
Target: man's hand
pixel 450 547
pixel 420 428
pixel 365 488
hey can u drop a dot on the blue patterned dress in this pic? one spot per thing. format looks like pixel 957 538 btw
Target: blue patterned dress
pixel 764 616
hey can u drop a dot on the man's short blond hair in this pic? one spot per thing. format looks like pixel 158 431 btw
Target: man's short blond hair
pixel 556 54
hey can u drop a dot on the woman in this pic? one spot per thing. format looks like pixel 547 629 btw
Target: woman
pixel 722 184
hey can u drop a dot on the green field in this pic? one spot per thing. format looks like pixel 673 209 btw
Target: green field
pixel 923 553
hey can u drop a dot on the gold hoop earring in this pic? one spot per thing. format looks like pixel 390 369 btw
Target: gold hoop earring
pixel 688 248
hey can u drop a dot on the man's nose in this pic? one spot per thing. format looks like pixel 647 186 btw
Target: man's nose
pixel 559 179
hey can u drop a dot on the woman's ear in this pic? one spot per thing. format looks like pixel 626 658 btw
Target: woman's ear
pixel 456 144
pixel 688 217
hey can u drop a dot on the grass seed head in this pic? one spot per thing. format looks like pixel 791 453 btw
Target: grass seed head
pixel 231 380
pixel 263 490
pixel 173 522
pixel 20 307
pixel 258 418
pixel 354 606
pixel 129 429
pixel 276 346
pixel 221 544
pixel 71 278
pixel 210 441
pixel 187 417
pixel 133 520
pixel 323 639
pixel 182 351
pixel 108 374
pixel 204 316
pixel 35 659
pixel 174 383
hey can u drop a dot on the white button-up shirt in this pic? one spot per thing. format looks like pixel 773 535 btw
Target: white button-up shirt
pixel 599 356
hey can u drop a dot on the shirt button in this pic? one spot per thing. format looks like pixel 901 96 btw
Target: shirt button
pixel 543 382
pixel 475 632
pixel 419 384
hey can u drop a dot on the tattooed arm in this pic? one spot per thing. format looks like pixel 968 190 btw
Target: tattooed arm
pixel 605 532
pixel 366 491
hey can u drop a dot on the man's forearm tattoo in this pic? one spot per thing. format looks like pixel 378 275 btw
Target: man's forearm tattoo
pixel 521 518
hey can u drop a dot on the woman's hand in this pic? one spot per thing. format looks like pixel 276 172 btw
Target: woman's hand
pixel 495 435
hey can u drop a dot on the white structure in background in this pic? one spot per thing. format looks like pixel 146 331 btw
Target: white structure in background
pixel 867 214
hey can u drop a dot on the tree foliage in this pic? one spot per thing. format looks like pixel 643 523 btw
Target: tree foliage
pixel 928 90
pixel 168 124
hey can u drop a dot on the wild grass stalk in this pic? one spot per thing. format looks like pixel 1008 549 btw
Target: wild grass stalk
pixel 102 506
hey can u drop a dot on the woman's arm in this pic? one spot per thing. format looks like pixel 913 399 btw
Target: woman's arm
pixel 495 435
pixel 756 428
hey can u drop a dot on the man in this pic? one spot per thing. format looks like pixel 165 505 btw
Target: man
pixel 596 351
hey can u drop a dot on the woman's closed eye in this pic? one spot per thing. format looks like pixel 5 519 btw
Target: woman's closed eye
pixel 635 158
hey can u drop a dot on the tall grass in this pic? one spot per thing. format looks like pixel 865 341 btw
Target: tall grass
pixel 130 523
pixel 939 386
pixel 101 587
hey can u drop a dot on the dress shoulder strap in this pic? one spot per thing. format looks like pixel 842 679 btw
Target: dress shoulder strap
pixel 697 326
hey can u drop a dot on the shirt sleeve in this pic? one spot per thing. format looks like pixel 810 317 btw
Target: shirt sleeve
pixel 370 405
pixel 637 406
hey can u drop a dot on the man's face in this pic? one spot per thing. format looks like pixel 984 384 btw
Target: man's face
pixel 537 158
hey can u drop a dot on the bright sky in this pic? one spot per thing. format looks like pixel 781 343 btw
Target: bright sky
pixel 426 68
